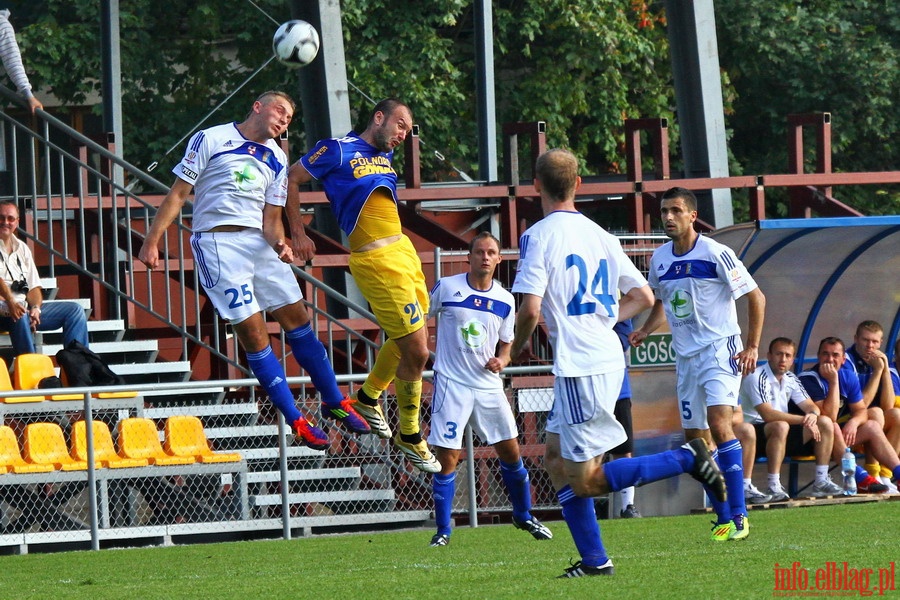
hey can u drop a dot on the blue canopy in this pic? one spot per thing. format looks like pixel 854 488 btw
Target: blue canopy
pixel 822 277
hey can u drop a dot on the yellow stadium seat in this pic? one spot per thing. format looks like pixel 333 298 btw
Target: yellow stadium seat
pixel 6 386
pixel 104 450
pixel 46 445
pixel 11 460
pixel 185 437
pixel 139 438
pixel 30 369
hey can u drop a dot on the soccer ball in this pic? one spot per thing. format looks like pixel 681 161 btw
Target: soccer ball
pixel 296 43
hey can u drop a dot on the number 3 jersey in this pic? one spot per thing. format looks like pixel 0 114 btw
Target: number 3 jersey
pixel 579 269
pixel 697 291
pixel 470 324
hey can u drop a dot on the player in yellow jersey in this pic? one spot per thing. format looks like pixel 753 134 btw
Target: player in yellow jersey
pixel 361 186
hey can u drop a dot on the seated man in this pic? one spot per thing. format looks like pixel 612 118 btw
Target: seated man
pixel 873 368
pixel 21 297
pixel 836 392
pixel 765 397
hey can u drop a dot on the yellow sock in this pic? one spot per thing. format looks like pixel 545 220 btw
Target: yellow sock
pixel 409 398
pixel 874 469
pixel 885 472
pixel 383 371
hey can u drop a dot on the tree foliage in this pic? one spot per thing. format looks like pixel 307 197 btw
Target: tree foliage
pixel 582 66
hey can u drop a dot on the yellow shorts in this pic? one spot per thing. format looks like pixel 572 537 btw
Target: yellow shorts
pixel 392 281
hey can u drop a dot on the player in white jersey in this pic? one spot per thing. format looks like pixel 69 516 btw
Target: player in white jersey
pixel 572 271
pixel 696 281
pixel 239 176
pixel 475 330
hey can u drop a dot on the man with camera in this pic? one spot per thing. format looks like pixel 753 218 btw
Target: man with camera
pixel 21 298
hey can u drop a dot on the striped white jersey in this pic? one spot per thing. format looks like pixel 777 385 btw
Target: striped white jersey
pixel 762 386
pixel 233 177
pixel 698 290
pixel 578 269
pixel 470 325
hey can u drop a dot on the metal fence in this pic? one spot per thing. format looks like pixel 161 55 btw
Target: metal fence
pixel 120 470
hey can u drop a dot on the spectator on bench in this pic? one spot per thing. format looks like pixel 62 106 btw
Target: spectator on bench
pixel 834 387
pixel 873 368
pixel 21 298
pixel 765 396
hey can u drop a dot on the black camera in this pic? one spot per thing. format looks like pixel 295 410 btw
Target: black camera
pixel 19 287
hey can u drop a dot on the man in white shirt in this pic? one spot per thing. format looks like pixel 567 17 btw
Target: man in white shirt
pixel 239 176
pixel 474 333
pixel 696 281
pixel 766 395
pixel 575 274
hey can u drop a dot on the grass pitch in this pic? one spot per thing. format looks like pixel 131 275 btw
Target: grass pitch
pixel 670 557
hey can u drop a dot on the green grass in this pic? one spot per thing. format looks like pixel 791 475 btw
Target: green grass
pixel 663 557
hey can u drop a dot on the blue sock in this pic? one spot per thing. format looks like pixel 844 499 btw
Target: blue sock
pixel 271 376
pixel 518 486
pixel 723 509
pixel 626 472
pixel 443 488
pixel 311 355
pixel 581 519
pixel 896 473
pixel 861 474
pixel 731 461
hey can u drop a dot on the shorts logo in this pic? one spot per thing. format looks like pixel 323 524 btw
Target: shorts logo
pixel 473 334
pixel 682 304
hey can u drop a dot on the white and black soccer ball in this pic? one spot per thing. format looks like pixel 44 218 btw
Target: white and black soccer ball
pixel 296 43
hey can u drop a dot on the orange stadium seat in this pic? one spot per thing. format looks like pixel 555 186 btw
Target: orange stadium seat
pixel 185 437
pixel 7 386
pixel 30 369
pixel 46 445
pixel 11 460
pixel 139 438
pixel 104 449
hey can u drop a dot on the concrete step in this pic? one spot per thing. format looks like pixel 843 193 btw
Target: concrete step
pixel 126 351
pixel 156 372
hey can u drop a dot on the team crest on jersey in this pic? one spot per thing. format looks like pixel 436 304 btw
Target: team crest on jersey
pixel 682 304
pixel 474 334
pixel 248 178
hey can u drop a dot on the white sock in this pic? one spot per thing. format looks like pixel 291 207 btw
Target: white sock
pixel 821 473
pixel 627 496
pixel 747 482
pixel 774 480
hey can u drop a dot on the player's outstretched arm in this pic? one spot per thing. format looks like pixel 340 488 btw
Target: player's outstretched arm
pixel 303 247
pixel 634 302
pixel 167 212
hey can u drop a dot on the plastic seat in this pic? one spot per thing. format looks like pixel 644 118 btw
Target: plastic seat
pixel 104 449
pixel 185 437
pixel 46 445
pixel 139 438
pixel 11 460
pixel 6 386
pixel 30 369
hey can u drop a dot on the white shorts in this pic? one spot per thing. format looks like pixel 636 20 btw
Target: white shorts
pixel 454 405
pixel 582 415
pixel 241 273
pixel 710 378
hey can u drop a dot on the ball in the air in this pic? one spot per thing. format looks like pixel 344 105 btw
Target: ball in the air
pixel 296 43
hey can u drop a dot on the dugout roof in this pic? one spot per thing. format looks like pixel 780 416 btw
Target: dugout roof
pixel 822 276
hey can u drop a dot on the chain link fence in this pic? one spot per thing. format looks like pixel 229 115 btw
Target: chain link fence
pixel 236 470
